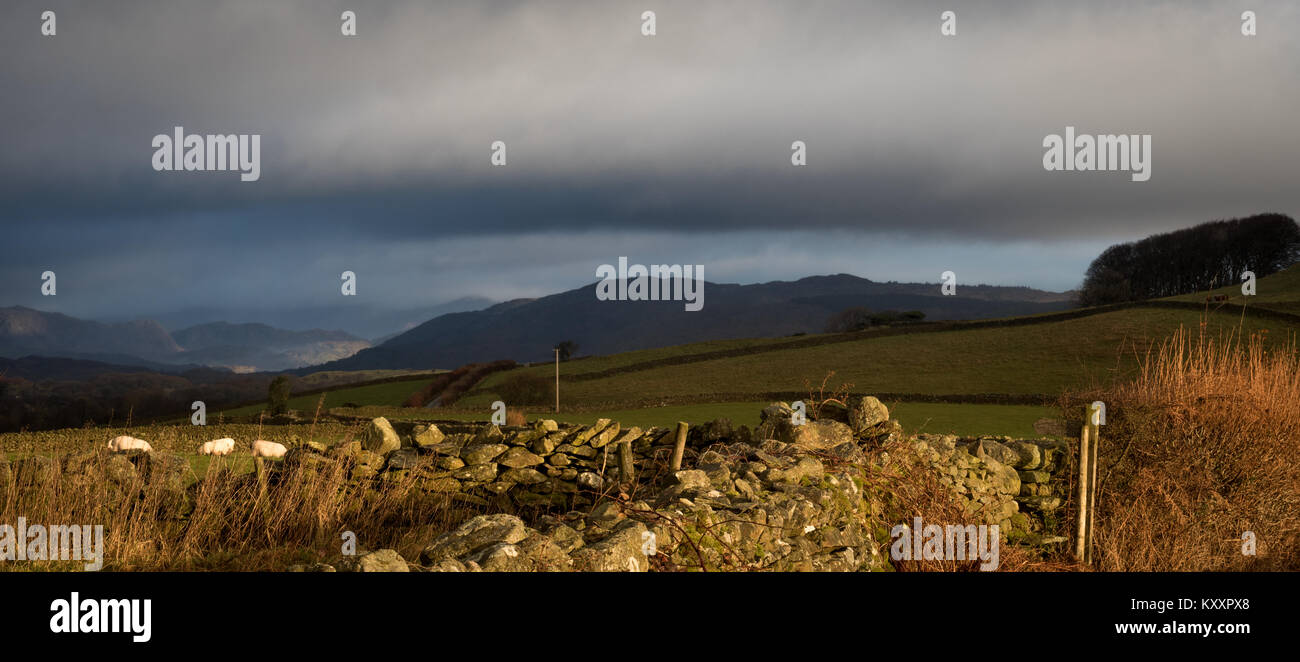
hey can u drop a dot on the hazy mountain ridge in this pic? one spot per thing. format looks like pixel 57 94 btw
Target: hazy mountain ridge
pixel 253 346
pixel 212 334
pixel 520 329
pixel 526 329
pixel 25 332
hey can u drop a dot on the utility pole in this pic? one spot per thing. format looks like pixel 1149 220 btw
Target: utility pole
pixel 557 380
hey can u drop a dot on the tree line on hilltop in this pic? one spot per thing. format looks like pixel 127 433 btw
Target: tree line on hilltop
pixel 1195 259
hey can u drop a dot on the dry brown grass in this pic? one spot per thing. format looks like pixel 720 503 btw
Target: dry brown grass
pixel 910 488
pixel 1202 446
pixel 237 521
pixel 516 417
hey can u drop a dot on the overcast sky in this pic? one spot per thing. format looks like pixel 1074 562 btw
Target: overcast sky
pixel 924 152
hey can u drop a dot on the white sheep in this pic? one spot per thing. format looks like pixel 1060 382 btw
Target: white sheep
pixel 263 448
pixel 128 443
pixel 222 446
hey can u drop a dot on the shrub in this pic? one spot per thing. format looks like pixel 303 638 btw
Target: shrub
pixel 278 395
pixel 849 320
pixel 526 389
pixel 1200 447
pixel 516 417
pixel 859 318
pixel 567 349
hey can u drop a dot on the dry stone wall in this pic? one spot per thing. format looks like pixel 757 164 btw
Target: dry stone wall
pixel 1019 484
pixel 778 497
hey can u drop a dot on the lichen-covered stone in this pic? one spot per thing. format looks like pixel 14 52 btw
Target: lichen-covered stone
pixel 384 560
pixel 481 473
pixel 482 453
pixel 620 552
pixel 605 436
pixel 523 476
pixel 403 458
pixel 429 436
pixel 117 469
pixel 865 413
pixel 776 412
pixel 380 437
pixel 474 535
pixel 814 435
pixel 490 434
pixel 519 457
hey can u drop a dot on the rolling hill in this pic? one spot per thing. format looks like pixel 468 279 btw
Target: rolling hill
pixel 1278 292
pixel 1023 363
pixel 989 376
pixel 1017 360
pixel 527 329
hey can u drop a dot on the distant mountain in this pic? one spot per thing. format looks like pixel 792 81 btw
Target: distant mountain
pixel 215 334
pixel 403 321
pixel 25 332
pixel 527 329
pixel 361 319
pixel 262 347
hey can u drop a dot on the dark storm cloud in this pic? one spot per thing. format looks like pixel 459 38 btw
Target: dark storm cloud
pixel 690 128
pixel 381 141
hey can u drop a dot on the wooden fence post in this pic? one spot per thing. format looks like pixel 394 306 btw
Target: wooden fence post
pixel 1095 446
pixel 680 448
pixel 626 467
pixel 1081 535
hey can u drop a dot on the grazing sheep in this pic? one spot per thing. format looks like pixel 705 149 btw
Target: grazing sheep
pixel 217 447
pixel 127 443
pixel 263 448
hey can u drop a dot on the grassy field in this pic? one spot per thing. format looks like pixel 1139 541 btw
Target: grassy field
pixel 388 393
pixel 333 378
pixel 1039 359
pixel 1280 292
